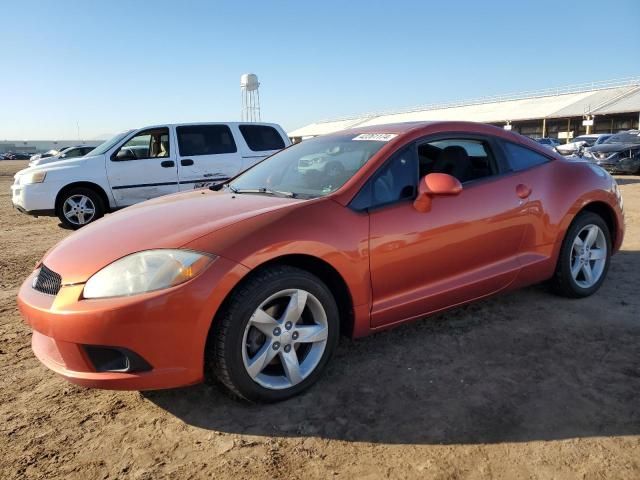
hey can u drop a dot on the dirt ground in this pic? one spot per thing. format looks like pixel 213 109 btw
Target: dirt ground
pixel 525 385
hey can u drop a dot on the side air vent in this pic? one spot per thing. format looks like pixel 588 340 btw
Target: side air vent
pixel 48 281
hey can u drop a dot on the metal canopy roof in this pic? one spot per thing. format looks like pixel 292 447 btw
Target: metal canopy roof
pixel 619 96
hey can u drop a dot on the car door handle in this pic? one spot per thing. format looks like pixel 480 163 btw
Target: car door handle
pixel 168 164
pixel 523 191
pixel 186 162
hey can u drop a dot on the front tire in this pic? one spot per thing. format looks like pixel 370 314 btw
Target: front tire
pixel 584 257
pixel 78 207
pixel 274 336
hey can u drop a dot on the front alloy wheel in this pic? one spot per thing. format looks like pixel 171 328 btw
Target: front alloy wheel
pixel 274 336
pixel 284 339
pixel 78 207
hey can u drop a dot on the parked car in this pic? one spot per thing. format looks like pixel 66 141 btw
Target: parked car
pixel 66 153
pixel 15 156
pixel 620 153
pixel 137 165
pixel 578 144
pixel 548 142
pixel 47 154
pixel 252 280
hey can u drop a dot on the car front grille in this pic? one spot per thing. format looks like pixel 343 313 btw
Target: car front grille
pixel 47 281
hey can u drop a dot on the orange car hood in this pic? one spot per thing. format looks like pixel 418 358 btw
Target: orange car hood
pixel 165 222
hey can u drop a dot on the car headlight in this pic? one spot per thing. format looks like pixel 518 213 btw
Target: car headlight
pixel 34 177
pixel 146 271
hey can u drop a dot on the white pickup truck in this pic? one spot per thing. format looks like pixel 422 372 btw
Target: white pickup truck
pixel 137 165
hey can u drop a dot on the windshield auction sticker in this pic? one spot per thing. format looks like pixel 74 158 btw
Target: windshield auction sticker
pixel 377 137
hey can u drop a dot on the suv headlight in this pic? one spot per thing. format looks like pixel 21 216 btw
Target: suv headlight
pixel 146 271
pixel 34 177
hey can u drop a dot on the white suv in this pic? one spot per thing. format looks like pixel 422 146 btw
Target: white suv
pixel 137 165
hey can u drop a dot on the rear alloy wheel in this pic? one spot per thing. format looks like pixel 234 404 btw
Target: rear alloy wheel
pixel 78 207
pixel 276 335
pixel 584 257
pixel 588 256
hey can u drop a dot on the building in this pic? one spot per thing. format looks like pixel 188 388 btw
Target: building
pixel 566 112
pixel 41 146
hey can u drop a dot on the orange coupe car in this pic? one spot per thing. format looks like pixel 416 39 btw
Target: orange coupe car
pixel 250 282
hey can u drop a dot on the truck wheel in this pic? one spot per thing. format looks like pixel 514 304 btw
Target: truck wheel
pixel 79 206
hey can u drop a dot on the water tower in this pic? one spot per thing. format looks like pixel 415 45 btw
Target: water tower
pixel 250 98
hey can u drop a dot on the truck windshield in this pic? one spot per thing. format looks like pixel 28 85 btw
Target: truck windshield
pixel 105 146
pixel 313 168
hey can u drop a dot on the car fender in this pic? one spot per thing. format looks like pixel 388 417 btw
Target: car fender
pixel 81 170
pixel 603 190
pixel 257 241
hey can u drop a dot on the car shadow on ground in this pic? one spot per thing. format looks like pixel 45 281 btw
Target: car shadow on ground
pixel 522 366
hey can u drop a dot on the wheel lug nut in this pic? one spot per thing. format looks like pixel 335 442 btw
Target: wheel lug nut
pixel 295 335
pixel 276 345
pixel 287 348
pixel 276 331
pixel 288 325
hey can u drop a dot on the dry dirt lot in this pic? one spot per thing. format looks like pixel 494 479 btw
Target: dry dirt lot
pixel 526 385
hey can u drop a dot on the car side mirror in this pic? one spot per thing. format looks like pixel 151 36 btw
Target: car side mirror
pixel 124 154
pixel 435 185
pixel 62 155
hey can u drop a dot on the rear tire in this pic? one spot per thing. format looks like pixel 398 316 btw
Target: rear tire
pixel 78 207
pixel 584 257
pixel 274 336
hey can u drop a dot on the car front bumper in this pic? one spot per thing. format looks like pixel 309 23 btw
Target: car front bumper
pixel 629 165
pixel 166 331
pixel 35 198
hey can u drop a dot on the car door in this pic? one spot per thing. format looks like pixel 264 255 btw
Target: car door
pixel 532 170
pixel 464 248
pixel 143 167
pixel 207 154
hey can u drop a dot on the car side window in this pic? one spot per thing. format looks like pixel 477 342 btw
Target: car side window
pixel 463 158
pixel 395 181
pixel 152 143
pixel 196 140
pixel 521 158
pixel 72 153
pixel 261 137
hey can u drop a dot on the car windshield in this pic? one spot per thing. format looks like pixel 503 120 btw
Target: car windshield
pixel 105 146
pixel 624 137
pixel 313 168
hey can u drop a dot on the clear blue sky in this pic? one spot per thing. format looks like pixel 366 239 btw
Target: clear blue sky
pixel 112 65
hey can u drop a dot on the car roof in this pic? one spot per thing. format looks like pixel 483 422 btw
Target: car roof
pixel 185 124
pixel 427 127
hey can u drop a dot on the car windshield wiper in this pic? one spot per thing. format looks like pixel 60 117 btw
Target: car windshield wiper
pixel 268 191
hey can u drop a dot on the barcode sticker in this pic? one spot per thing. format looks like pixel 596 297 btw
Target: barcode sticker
pixel 377 137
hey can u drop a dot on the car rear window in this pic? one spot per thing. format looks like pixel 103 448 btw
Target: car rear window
pixel 205 140
pixel 521 158
pixel 262 137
